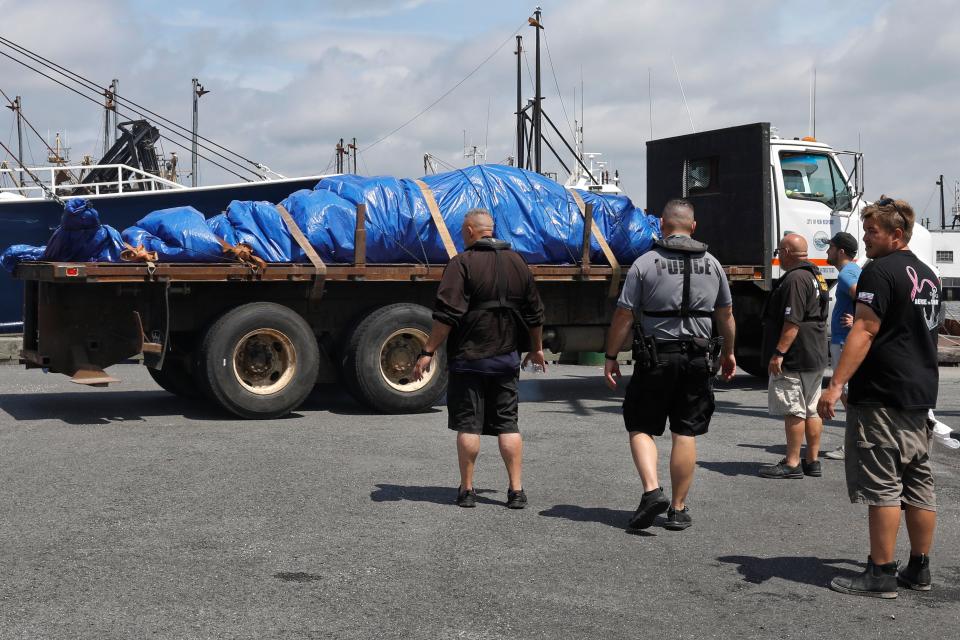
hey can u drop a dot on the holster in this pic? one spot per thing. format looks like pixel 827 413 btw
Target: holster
pixel 644 351
pixel 714 349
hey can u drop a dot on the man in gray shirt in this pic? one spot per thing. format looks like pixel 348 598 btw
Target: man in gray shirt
pixel 673 294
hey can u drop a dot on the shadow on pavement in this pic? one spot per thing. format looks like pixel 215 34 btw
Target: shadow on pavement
pixel 732 468
pixel 776 449
pixel 414 493
pixel 616 518
pixel 804 570
pixel 107 406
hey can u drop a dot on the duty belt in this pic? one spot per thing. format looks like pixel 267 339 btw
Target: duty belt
pixel 682 346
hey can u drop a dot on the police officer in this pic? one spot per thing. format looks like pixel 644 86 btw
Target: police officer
pixel 672 296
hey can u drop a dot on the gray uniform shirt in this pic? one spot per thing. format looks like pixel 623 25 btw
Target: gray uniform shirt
pixel 655 283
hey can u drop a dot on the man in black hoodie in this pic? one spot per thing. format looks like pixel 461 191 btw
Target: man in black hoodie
pixel 487 304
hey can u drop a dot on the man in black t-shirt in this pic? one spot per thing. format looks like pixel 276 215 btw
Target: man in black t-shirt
pixel 795 348
pixel 890 361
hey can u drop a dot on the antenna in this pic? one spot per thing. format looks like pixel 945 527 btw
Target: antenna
pixel 650 97
pixel 684 95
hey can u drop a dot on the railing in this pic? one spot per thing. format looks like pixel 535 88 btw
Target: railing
pixel 129 179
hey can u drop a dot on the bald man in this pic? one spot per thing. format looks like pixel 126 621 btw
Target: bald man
pixel 795 346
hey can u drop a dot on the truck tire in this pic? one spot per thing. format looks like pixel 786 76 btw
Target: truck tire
pixel 259 360
pixel 175 378
pixel 380 355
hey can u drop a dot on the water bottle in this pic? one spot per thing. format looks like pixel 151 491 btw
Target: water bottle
pixel 532 367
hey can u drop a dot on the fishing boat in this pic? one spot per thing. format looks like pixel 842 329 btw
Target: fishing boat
pixel 130 181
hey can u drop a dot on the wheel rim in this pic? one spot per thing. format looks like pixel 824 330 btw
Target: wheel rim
pixel 398 355
pixel 264 361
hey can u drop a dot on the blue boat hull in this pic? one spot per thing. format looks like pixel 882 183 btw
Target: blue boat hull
pixel 32 221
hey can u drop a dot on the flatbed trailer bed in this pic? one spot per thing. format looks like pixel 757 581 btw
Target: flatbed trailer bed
pixel 255 339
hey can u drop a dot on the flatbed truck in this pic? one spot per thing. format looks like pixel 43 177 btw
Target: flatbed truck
pixel 256 339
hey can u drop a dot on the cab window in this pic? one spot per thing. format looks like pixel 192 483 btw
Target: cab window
pixel 816 177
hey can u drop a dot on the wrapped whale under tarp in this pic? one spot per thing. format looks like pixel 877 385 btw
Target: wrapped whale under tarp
pixel 541 219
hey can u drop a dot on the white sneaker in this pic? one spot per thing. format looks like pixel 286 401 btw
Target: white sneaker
pixel 836 454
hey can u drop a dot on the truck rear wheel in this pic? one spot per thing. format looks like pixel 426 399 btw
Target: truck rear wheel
pixel 259 360
pixel 378 361
pixel 175 378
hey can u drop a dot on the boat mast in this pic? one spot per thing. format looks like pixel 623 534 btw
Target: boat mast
pixel 198 92
pixel 537 107
pixel 115 89
pixel 16 108
pixel 109 107
pixel 520 116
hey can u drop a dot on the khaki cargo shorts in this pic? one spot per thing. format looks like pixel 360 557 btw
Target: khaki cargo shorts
pixel 794 393
pixel 887 460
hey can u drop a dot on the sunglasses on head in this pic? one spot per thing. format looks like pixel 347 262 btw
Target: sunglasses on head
pixel 886 202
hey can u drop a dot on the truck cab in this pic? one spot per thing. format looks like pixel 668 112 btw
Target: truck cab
pixel 750 187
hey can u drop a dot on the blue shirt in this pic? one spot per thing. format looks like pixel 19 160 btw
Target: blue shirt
pixel 844 304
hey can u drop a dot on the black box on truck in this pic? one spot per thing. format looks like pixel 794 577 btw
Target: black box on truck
pixel 726 174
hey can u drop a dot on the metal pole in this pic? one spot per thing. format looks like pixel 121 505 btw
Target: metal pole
pixel 537 108
pixel 107 116
pixel 115 87
pixel 193 152
pixel 943 211
pixel 353 148
pixel 519 103
pixel 16 102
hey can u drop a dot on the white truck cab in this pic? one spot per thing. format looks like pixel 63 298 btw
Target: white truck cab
pixel 750 187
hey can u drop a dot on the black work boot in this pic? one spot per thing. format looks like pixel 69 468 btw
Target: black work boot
pixel 877 581
pixel 652 504
pixel 916 574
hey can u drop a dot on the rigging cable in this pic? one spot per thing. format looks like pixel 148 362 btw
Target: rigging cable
pixel 446 93
pixel 99 90
pixel 174 132
pixel 557 83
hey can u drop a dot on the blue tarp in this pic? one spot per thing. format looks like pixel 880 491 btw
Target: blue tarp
pixel 536 215
pixel 79 238
pixel 179 234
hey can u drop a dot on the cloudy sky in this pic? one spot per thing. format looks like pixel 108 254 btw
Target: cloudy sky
pixel 289 78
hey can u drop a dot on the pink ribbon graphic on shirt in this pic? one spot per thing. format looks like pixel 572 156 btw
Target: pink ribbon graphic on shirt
pixel 917 283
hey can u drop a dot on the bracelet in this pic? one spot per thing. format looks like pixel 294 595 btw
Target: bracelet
pixel 422 353
pixel 610 357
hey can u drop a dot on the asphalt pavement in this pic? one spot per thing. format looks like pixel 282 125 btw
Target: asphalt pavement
pixel 129 513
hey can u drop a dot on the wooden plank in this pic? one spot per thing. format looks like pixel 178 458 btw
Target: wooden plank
pixel 585 247
pixel 360 236
pixel 437 218
pixel 302 240
pixel 602 241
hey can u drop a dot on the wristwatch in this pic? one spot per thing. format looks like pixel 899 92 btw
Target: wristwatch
pixel 610 357
pixel 422 353
pixel 779 353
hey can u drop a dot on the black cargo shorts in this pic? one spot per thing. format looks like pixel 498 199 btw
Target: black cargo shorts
pixel 680 390
pixel 482 404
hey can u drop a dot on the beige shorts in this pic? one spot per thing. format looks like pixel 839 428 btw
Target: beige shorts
pixel 794 393
pixel 887 460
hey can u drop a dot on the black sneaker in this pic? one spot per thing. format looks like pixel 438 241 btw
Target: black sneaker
pixel 466 499
pixel 811 468
pixel 916 575
pixel 516 499
pixel 781 470
pixel 652 504
pixel 877 581
pixel 678 520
